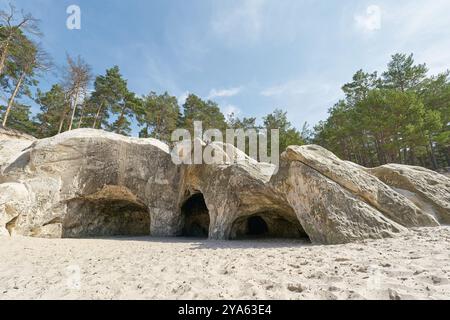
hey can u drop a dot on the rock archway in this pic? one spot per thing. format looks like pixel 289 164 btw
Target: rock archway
pixel 113 211
pixel 268 224
pixel 195 215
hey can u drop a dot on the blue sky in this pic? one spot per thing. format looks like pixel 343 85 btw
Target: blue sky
pixel 251 56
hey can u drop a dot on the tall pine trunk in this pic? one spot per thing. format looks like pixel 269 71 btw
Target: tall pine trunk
pixel 4 55
pixel 97 115
pixel 11 99
pixel 81 116
pixel 120 119
pixel 432 155
pixel 61 122
pixel 74 109
pixel 81 119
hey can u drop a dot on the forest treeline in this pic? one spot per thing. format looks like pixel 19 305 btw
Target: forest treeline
pixel 401 115
pixel 83 100
pixel 398 116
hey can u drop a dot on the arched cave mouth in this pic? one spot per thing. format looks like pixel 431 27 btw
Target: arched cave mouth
pixel 268 225
pixel 195 214
pixel 104 218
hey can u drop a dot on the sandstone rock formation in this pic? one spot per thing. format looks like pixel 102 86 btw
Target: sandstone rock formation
pixel 428 190
pixel 88 182
pixel 12 143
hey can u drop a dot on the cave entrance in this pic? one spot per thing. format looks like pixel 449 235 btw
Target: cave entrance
pixel 113 211
pixel 196 217
pixel 256 226
pixel 269 225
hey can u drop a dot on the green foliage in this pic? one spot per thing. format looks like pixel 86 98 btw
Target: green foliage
pixel 109 92
pixel 402 74
pixel 402 118
pixel 125 109
pixel 53 106
pixel 159 115
pixel 234 122
pixel 287 133
pixel 196 109
pixel 361 85
pixel 20 119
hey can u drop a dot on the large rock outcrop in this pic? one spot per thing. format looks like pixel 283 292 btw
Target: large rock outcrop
pixel 93 183
pixel 12 143
pixel 377 194
pixel 427 189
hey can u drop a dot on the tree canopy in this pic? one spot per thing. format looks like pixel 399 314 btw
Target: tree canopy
pixel 402 117
pixel 400 114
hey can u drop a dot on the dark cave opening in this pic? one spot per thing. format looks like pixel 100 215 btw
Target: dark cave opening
pixel 256 226
pixel 268 225
pixel 105 217
pixel 196 217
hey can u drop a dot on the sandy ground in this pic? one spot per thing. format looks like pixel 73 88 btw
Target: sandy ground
pixel 415 266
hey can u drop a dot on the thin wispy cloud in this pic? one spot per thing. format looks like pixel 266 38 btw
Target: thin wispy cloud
pixel 182 98
pixel 370 20
pixel 224 93
pixel 306 98
pixel 420 27
pixel 230 109
pixel 287 88
pixel 240 21
pixel 255 54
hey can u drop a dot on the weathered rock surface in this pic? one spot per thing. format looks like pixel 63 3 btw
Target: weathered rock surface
pixel 328 212
pixel 377 194
pixel 92 183
pixel 88 172
pixel 12 143
pixel 429 190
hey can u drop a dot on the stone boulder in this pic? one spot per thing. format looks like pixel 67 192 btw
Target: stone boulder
pixel 375 193
pixel 12 144
pixel 15 200
pixel 86 183
pixel 81 181
pixel 328 212
pixel 429 190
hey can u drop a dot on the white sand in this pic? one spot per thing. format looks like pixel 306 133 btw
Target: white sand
pixel 414 266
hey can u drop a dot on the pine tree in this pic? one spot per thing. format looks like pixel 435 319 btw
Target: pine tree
pixel 287 133
pixel 195 109
pixel 109 90
pixel 159 116
pixel 77 76
pixel 53 106
pixel 12 30
pixel 28 59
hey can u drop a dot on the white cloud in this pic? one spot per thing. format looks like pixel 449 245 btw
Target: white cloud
pixel 369 21
pixel 245 23
pixel 223 93
pixel 182 98
pixel 306 98
pixel 419 27
pixel 241 22
pixel 290 88
pixel 229 109
pixel 419 17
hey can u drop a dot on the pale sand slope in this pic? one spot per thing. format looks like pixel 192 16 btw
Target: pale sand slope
pixel 413 266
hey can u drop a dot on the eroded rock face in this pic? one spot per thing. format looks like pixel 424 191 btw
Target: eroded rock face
pixel 88 182
pixel 429 190
pixel 14 200
pixel 12 143
pixel 328 212
pixel 89 172
pixel 377 194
